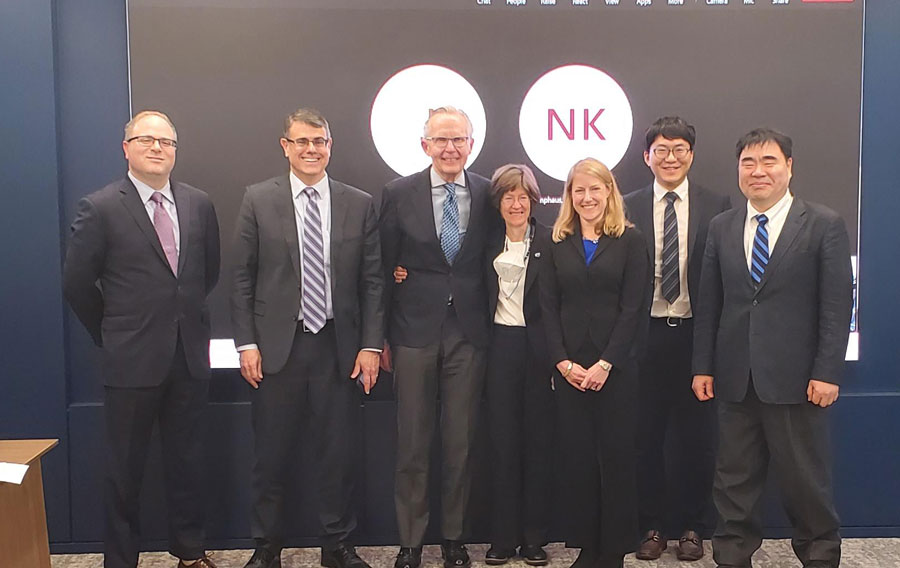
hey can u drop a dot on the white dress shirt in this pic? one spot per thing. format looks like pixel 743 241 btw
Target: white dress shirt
pixel 301 200
pixel 681 307
pixel 777 215
pixel 439 196
pixel 146 192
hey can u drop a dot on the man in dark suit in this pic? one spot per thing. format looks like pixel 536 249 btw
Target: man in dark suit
pixel 673 214
pixel 307 315
pixel 770 337
pixel 143 256
pixel 434 223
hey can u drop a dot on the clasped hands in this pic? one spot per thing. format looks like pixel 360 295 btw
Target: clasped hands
pixel 819 393
pixel 366 365
pixel 592 378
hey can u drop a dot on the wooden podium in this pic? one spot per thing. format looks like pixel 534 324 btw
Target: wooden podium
pixel 23 522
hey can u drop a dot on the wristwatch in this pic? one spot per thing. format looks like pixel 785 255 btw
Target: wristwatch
pixel 605 365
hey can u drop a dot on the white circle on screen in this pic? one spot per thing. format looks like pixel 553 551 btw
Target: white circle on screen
pixel 574 112
pixel 401 108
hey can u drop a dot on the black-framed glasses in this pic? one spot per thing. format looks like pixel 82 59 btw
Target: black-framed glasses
pixel 442 141
pixel 662 152
pixel 318 142
pixel 147 141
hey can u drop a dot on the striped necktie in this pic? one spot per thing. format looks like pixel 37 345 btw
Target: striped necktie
pixel 312 279
pixel 760 254
pixel 671 280
pixel 450 224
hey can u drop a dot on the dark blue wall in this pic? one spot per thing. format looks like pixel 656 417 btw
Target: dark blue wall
pixel 64 100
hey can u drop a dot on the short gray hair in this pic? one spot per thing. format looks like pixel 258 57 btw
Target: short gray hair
pixel 447 110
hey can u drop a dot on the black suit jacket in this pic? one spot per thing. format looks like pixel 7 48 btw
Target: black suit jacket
pixel 603 302
pixel 265 299
pixel 409 238
pixel 119 283
pixel 703 205
pixel 790 328
pixel 534 323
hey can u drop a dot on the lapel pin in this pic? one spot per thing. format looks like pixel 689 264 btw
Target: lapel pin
pixel 537 254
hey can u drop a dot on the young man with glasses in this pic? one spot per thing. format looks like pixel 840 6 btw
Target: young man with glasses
pixel 673 213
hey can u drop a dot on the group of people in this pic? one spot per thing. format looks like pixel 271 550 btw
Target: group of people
pixel 600 340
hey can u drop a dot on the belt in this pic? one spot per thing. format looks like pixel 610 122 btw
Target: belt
pixel 672 321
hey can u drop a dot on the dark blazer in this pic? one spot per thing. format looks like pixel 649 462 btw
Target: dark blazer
pixel 409 238
pixel 603 302
pixel 703 205
pixel 265 300
pixel 534 324
pixel 789 329
pixel 119 283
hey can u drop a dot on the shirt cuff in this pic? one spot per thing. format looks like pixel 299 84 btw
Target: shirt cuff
pixel 247 346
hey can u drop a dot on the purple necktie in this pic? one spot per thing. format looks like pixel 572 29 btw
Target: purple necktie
pixel 165 230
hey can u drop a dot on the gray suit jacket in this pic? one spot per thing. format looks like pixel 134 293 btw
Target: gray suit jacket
pixel 265 300
pixel 791 327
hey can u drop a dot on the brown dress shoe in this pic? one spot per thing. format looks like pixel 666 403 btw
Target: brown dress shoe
pixel 652 546
pixel 690 546
pixel 205 562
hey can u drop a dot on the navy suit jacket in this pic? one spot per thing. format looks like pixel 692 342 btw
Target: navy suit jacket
pixel 791 327
pixel 416 307
pixel 119 283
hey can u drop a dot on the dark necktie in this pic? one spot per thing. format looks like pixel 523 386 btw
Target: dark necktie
pixel 671 280
pixel 760 253
pixel 450 224
pixel 312 301
pixel 165 230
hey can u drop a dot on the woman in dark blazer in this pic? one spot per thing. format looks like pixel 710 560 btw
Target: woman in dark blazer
pixel 593 296
pixel 520 400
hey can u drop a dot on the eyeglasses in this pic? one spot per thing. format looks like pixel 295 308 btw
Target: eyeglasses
pixel 147 141
pixel 304 142
pixel 662 152
pixel 441 141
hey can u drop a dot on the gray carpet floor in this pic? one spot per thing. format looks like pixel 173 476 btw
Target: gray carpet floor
pixel 857 553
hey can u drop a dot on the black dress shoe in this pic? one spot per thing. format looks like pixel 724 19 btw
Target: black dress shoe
pixel 495 556
pixel 264 558
pixel 344 556
pixel 455 554
pixel 533 555
pixel 409 557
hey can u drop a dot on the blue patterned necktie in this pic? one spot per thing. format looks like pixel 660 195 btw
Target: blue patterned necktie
pixel 450 224
pixel 760 257
pixel 312 279
pixel 671 281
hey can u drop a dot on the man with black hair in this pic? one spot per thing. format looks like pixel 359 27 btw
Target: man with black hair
pixel 673 214
pixel 769 342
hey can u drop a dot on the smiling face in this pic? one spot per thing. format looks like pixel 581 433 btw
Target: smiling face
pixel 669 160
pixel 515 208
pixel 764 174
pixel 448 161
pixel 308 160
pixel 152 165
pixel 589 197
